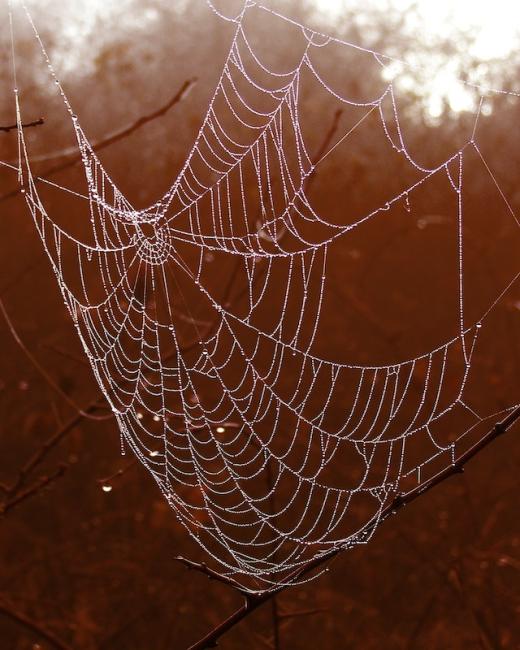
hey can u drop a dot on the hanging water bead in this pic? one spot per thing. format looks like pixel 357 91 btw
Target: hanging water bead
pixel 106 488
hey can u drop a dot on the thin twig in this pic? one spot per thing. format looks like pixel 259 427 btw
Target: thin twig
pixel 41 370
pixel 25 125
pixel 9 612
pixel 276 618
pixel 120 472
pixel 114 137
pixel 226 297
pixel 13 494
pixel 64 353
pixel 401 500
pixel 211 574
pixel 49 444
pixel 34 489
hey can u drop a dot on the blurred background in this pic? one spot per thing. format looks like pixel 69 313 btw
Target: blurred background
pixel 87 540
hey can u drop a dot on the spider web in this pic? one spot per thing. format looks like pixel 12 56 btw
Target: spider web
pixel 268 453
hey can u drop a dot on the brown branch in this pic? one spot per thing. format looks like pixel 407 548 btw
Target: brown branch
pixel 34 361
pixel 64 353
pixel 13 490
pixel 49 444
pixel 255 600
pixel 26 125
pixel 318 156
pixel 33 626
pixel 120 472
pixel 181 93
pixel 251 599
pixel 114 137
pixel 211 574
pixel 36 488
pixel 226 296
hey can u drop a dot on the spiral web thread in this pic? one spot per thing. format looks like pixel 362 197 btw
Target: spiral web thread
pixel 240 429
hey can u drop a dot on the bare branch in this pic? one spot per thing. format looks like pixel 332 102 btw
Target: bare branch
pixel 49 444
pixel 228 290
pixel 181 93
pixel 120 472
pixel 36 488
pixel 114 137
pixel 211 639
pixel 46 376
pixel 211 574
pixel 25 125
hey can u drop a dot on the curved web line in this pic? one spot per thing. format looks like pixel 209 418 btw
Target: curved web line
pixel 216 445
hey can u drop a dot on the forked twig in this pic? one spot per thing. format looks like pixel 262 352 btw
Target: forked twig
pixel 254 601
pixel 114 137
pixel 12 492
